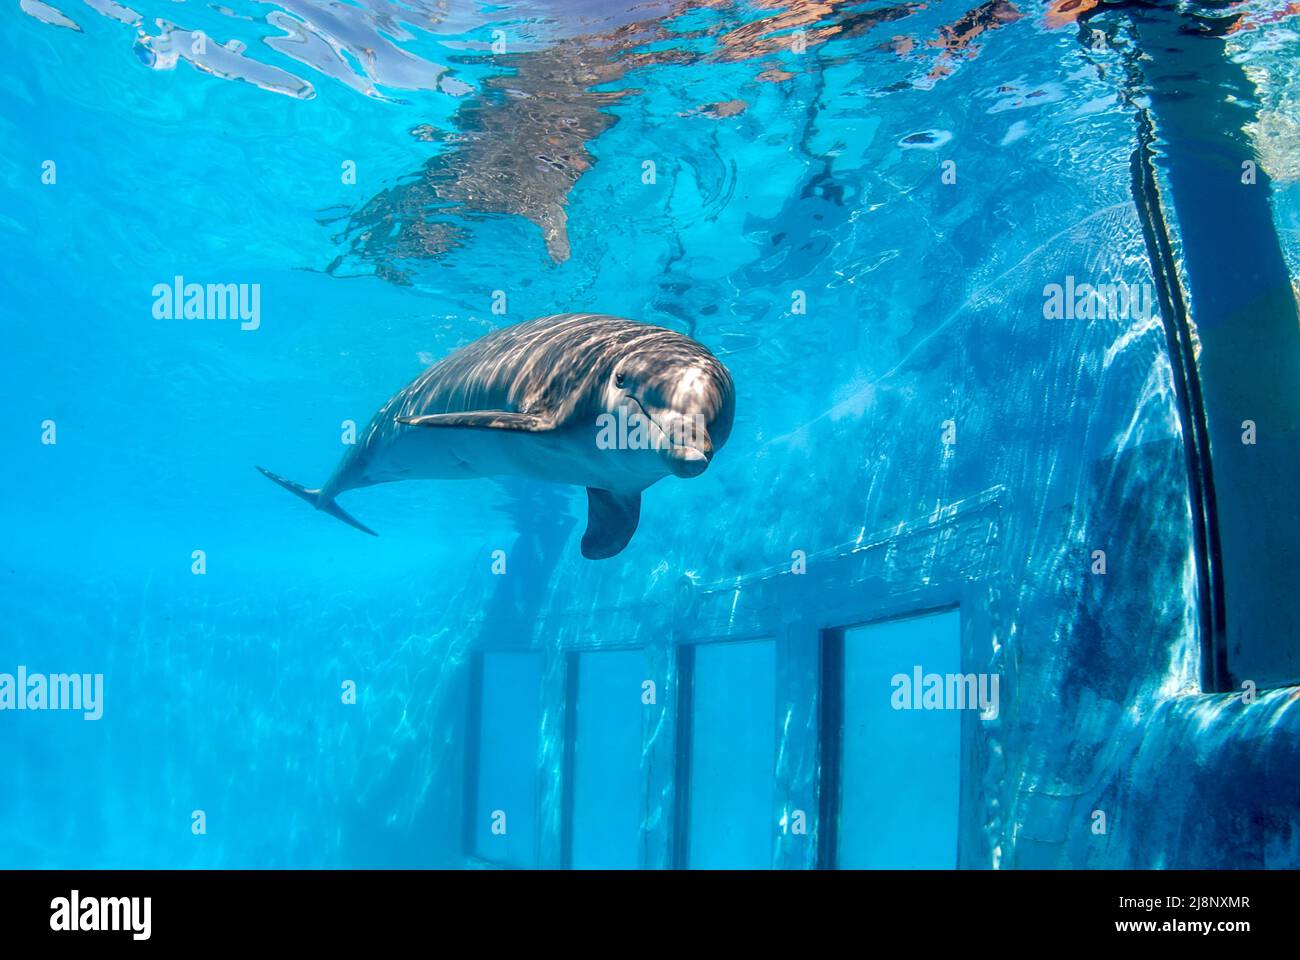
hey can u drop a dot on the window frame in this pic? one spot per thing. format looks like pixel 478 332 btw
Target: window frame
pixel 571 656
pixel 942 559
pixel 684 703
pixel 472 760
pixel 850 585
pixel 831 725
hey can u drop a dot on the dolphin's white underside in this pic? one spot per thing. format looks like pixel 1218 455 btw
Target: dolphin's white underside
pixel 568 456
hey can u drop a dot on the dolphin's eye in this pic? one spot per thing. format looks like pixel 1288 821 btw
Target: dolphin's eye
pixel 619 380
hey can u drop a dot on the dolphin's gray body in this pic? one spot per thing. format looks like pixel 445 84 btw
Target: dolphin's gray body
pixel 584 399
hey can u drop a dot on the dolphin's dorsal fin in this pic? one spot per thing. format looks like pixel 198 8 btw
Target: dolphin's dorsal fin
pixel 483 420
pixel 611 521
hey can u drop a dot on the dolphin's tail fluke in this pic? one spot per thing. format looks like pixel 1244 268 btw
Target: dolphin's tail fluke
pixel 314 498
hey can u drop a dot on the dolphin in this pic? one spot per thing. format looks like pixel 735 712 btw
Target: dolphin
pixel 578 398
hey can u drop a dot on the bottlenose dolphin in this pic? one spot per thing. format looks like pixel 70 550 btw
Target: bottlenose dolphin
pixel 578 398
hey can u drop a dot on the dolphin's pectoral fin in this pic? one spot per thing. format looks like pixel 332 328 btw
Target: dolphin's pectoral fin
pixel 483 420
pixel 611 521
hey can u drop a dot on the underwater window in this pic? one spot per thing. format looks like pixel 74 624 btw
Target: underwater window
pixel 896 750
pixel 505 717
pixel 604 813
pixel 728 731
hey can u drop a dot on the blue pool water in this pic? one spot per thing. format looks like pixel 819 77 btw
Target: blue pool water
pixel 857 207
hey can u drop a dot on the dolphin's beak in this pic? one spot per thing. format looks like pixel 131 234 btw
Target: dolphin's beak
pixel 690 460
pixel 686 444
pixel 688 463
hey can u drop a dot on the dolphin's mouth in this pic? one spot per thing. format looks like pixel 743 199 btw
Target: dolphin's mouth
pixel 684 460
pixel 687 462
